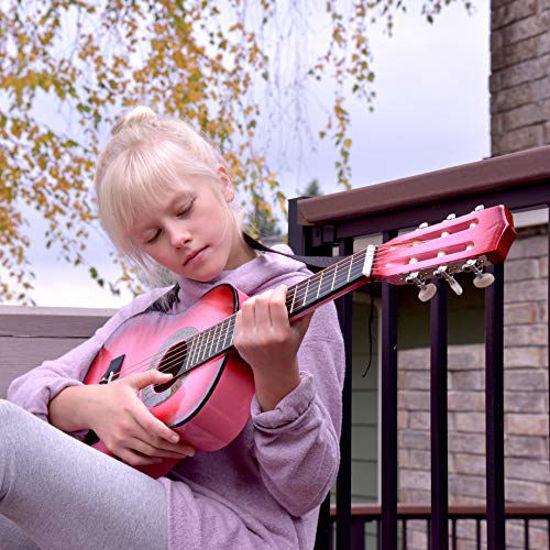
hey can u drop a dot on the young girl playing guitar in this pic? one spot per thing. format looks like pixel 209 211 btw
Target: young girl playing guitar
pixel 165 199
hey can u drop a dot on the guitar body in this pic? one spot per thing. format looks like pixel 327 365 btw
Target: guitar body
pixel 208 406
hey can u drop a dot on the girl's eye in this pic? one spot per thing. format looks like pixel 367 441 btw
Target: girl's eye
pixel 153 238
pixel 186 209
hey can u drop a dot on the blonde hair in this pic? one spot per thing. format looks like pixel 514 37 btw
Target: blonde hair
pixel 147 156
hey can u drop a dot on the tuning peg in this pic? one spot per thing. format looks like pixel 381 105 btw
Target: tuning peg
pixel 481 280
pixel 423 225
pixel 479 207
pixel 427 291
pixel 453 283
pixel 451 216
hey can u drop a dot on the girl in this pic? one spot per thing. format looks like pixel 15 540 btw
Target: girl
pixel 164 198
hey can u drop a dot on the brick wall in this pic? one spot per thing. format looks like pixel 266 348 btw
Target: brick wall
pixel 520 75
pixel 527 467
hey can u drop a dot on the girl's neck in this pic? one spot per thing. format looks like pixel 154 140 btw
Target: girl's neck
pixel 242 253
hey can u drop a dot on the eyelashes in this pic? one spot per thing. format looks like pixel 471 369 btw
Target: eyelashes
pixel 179 213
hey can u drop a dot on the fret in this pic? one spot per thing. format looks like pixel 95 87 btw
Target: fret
pixel 193 354
pixel 212 333
pixel 334 277
pixel 187 356
pixel 326 284
pixel 227 333
pixel 219 333
pixel 305 293
pixel 206 342
pixel 350 264
pixel 211 339
pixel 320 283
pixel 231 328
pixel 201 346
pixel 294 298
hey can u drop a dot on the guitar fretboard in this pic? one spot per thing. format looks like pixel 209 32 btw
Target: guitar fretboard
pixel 302 296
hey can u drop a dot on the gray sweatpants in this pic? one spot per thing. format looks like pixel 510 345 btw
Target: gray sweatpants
pixel 56 493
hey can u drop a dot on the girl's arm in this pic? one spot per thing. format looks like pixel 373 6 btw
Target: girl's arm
pixel 297 440
pixel 36 388
pixel 120 419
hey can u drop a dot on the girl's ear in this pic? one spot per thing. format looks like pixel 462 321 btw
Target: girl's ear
pixel 226 184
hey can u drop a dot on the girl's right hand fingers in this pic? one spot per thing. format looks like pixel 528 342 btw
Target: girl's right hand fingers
pixel 152 429
pixel 148 450
pixel 152 426
pixel 134 458
pixel 140 380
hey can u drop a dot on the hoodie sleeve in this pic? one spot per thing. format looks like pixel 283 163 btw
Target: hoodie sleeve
pixel 297 443
pixel 36 388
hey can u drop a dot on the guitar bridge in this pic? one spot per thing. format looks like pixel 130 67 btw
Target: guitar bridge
pixel 113 371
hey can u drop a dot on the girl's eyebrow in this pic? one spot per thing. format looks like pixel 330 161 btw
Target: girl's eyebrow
pixel 184 196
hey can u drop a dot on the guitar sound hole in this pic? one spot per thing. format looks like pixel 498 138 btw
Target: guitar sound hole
pixel 171 362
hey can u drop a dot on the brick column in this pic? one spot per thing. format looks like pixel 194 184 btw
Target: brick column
pixel 527 466
pixel 520 75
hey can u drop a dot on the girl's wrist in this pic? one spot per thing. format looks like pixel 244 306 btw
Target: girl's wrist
pixel 272 385
pixel 69 409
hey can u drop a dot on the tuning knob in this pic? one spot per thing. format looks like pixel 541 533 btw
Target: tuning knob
pixel 427 292
pixel 453 283
pixel 481 280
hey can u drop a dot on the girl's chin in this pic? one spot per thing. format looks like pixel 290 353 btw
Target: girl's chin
pixel 207 273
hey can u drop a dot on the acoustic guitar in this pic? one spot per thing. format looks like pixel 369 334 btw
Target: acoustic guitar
pixel 208 399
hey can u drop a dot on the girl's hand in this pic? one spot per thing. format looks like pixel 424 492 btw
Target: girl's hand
pixel 267 341
pixel 127 428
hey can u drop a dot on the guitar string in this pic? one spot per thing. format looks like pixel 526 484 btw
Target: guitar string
pixel 215 332
pixel 194 343
pixel 202 346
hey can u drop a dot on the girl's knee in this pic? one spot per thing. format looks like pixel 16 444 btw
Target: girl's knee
pixel 9 410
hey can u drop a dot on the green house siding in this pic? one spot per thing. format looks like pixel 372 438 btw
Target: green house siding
pixel 364 436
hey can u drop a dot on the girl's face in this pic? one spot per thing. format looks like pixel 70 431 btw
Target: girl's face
pixel 191 230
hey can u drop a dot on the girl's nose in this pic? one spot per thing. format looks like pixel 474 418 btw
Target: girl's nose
pixel 179 237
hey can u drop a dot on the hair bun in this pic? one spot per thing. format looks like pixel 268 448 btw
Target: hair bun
pixel 138 115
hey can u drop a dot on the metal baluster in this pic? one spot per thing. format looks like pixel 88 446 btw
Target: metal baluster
pixel 454 533
pixel 494 405
pixel 404 534
pixel 358 535
pixel 526 533
pixel 478 534
pixel 343 483
pixel 439 532
pixel 299 239
pixel 389 412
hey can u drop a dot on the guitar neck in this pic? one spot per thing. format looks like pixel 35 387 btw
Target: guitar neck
pixel 301 298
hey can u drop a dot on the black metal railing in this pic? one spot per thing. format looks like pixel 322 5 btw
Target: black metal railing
pixel 519 181
pixel 364 515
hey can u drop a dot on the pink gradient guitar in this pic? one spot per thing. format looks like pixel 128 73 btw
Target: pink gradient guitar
pixel 208 400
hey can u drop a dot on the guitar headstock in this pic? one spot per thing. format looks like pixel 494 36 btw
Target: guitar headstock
pixel 464 243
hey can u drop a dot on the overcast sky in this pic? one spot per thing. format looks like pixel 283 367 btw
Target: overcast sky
pixel 431 111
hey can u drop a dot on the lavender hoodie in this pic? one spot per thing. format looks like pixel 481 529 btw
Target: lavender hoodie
pixel 263 490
